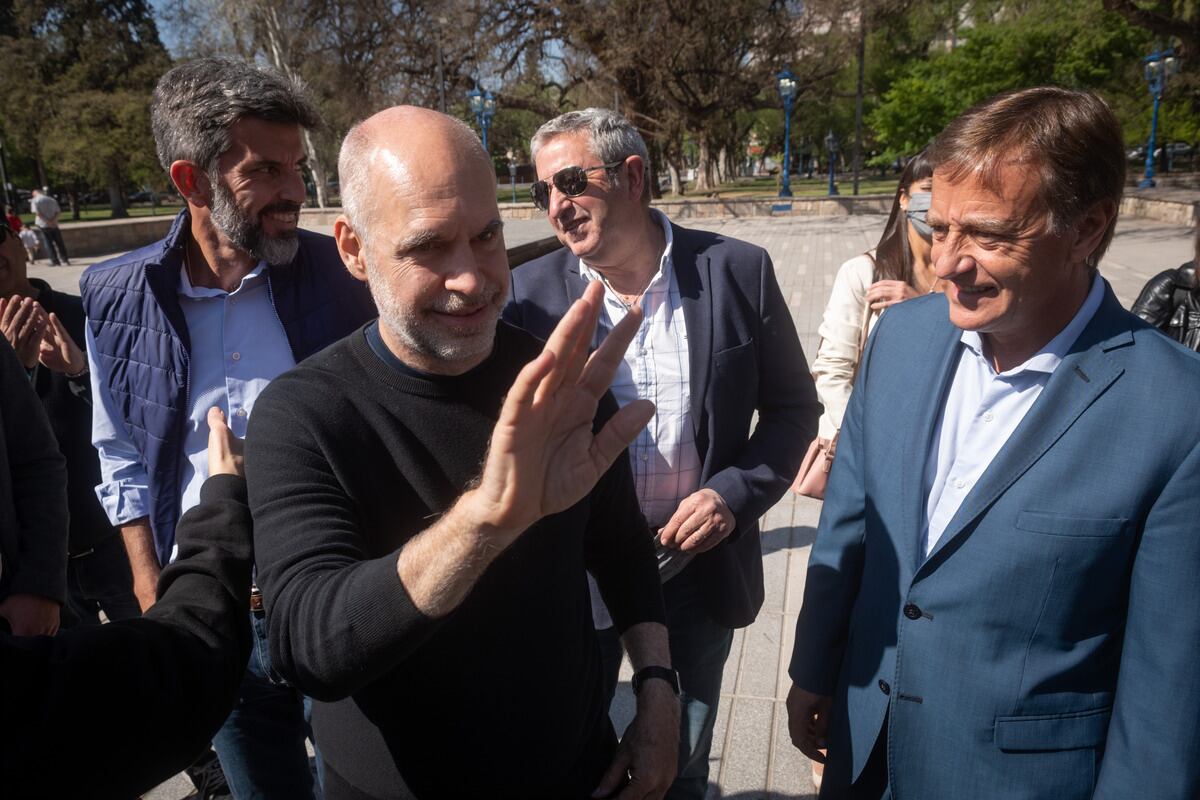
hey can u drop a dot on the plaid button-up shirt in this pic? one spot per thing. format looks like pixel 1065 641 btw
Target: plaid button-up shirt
pixel 666 463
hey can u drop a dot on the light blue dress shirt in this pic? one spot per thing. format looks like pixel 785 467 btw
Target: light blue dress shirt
pixel 238 347
pixel 982 409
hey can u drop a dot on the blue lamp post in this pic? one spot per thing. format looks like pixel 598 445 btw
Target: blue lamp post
pixel 787 92
pixel 483 106
pixel 832 146
pixel 1158 66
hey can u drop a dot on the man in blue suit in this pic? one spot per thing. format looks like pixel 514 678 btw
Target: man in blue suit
pixel 716 344
pixel 1002 598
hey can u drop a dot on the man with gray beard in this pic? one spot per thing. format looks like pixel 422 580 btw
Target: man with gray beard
pixel 428 494
pixel 233 296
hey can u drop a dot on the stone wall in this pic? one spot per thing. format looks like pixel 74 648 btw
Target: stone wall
pixel 116 236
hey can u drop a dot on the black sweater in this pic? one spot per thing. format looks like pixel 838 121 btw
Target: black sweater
pixel 348 458
pixel 68 404
pixel 33 491
pixel 112 710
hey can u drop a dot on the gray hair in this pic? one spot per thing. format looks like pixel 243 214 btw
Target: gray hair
pixel 195 104
pixel 610 136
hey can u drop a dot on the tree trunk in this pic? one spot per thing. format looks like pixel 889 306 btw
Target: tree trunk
pixel 676 182
pixel 704 182
pixel 723 175
pixel 277 50
pixel 858 94
pixel 115 196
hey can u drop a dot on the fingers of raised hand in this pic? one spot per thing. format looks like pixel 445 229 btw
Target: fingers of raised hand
pixel 568 342
pixel 621 429
pixel 603 364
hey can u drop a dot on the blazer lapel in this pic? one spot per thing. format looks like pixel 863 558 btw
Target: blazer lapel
pixel 573 282
pixel 931 380
pixel 692 274
pixel 1084 374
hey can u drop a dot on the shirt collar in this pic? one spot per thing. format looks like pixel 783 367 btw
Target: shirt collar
pixel 186 289
pixel 664 261
pixel 1049 357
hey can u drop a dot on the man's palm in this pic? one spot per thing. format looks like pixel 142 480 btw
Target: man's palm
pixel 544 457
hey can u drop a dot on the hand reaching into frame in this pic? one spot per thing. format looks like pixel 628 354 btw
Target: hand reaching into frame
pixel 224 449
pixel 543 456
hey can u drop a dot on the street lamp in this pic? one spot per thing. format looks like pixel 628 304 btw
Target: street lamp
pixel 1158 66
pixel 787 92
pixel 483 106
pixel 832 146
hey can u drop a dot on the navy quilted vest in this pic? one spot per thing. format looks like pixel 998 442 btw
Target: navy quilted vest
pixel 142 343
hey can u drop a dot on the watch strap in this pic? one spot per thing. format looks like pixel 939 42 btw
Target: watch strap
pixel 648 673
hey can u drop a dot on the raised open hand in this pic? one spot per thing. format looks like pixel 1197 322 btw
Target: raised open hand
pixel 543 456
pixel 59 352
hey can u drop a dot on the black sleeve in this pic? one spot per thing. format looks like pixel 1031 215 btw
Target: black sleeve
pixel 113 710
pixel 618 550
pixel 337 619
pixel 1156 303
pixel 39 486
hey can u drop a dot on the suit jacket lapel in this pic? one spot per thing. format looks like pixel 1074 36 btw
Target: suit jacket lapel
pixel 1084 374
pixel 931 379
pixel 573 282
pixel 692 274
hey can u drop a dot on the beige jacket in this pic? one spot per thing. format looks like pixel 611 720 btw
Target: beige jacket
pixel 840 330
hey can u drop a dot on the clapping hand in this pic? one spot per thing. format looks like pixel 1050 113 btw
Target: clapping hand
pixel 58 352
pixel 23 321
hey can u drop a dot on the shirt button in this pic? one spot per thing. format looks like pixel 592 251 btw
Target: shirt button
pixel 959 483
pixel 988 416
pixel 236 356
pixel 241 412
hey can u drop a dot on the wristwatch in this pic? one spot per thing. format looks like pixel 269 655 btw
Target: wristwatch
pixel 649 673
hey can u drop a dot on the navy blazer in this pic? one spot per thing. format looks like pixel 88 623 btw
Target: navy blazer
pixel 744 356
pixel 1047 646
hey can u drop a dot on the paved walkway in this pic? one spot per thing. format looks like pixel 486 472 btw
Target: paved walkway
pixel 752 757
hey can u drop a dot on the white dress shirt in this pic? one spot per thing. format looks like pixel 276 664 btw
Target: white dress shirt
pixel 982 410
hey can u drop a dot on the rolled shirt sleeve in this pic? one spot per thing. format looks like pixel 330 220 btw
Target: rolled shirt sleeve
pixel 124 489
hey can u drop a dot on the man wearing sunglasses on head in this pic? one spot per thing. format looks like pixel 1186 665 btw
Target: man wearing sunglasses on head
pixel 716 344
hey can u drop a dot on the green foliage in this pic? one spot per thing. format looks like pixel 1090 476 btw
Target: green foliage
pixel 1074 44
pixel 80 105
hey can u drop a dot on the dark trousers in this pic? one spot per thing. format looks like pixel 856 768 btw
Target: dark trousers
pixel 56 248
pixel 699 649
pixel 261 744
pixel 99 579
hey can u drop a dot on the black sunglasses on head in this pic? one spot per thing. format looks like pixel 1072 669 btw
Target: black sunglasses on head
pixel 571 181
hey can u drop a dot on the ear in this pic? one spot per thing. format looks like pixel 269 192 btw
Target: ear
pixel 635 168
pixel 903 200
pixel 351 247
pixel 1090 229
pixel 192 183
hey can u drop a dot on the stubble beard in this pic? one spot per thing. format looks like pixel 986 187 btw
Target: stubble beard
pixel 430 340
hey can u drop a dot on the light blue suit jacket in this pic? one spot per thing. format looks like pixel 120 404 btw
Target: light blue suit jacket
pixel 1047 648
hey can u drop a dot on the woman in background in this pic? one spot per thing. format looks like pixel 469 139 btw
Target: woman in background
pixel 899 268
